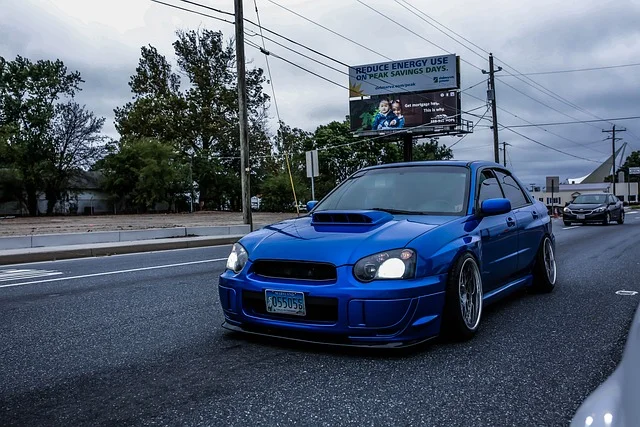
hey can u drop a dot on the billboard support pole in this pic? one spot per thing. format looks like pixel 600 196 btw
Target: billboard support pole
pixel 408 147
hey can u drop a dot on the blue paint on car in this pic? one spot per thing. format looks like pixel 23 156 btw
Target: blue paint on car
pixel 372 263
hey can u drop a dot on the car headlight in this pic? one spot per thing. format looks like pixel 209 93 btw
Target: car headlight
pixel 394 264
pixel 237 258
pixel 567 210
pixel 600 209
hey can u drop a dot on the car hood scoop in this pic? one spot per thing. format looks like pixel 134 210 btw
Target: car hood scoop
pixel 362 217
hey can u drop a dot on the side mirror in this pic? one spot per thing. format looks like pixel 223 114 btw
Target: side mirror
pixel 495 207
pixel 311 204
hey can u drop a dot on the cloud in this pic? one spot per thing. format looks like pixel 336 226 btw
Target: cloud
pixel 102 40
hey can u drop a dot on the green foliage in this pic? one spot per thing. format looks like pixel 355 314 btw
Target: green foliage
pixel 201 117
pixel 277 195
pixel 45 138
pixel 141 173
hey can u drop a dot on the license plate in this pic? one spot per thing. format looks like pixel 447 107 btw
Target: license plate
pixel 285 302
pixel 580 216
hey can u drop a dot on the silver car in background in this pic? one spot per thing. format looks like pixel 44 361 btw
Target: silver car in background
pixel 616 402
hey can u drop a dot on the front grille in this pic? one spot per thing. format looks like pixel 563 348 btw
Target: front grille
pixel 300 270
pixel 319 309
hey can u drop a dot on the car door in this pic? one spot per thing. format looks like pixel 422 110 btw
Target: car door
pixel 618 207
pixel 530 226
pixel 498 235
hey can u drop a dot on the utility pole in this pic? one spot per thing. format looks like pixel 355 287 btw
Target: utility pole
pixel 242 116
pixel 504 153
pixel 491 97
pixel 613 153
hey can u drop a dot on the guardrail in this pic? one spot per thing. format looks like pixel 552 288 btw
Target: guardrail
pixel 64 239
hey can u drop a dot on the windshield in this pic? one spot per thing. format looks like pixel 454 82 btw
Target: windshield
pixel 591 199
pixel 441 190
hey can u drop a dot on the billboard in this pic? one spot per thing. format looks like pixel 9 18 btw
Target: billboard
pixel 408 75
pixel 405 111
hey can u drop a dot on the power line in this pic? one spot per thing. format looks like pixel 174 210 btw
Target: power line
pixel 539 126
pixel 543 90
pixel 458 141
pixel 405 6
pixel 577 122
pixel 266 52
pixel 413 32
pixel 550 147
pixel 193 11
pixel 330 30
pixel 577 70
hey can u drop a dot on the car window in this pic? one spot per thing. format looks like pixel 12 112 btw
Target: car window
pixel 512 190
pixel 489 187
pixel 590 199
pixel 440 190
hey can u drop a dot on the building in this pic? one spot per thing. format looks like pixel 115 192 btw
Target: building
pixel 591 183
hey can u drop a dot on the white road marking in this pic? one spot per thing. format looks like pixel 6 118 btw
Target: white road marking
pixel 631 212
pixel 18 274
pixel 626 293
pixel 108 273
pixel 569 228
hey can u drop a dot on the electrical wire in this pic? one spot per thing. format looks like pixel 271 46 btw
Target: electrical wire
pixel 273 91
pixel 576 122
pixel 330 30
pixel 540 127
pixel 577 70
pixel 479 120
pixel 413 32
pixel 537 86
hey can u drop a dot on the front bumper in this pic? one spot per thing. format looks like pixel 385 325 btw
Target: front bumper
pixel 387 313
pixel 586 217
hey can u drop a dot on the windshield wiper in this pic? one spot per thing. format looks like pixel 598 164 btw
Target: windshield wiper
pixel 397 211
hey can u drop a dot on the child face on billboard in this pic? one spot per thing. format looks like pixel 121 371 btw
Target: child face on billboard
pixel 384 107
pixel 397 109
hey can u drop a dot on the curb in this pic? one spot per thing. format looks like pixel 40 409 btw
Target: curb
pixel 85 251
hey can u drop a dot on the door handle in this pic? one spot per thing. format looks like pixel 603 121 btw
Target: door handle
pixel 511 222
pixel 535 214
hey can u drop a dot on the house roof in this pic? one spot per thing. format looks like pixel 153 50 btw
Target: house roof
pixel 86 180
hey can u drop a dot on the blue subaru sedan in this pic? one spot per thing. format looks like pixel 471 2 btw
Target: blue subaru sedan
pixel 395 255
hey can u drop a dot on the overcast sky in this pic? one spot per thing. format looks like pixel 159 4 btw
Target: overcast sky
pixel 102 40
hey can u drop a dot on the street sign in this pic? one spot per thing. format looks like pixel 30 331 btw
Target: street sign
pixel 553 184
pixel 634 171
pixel 312 164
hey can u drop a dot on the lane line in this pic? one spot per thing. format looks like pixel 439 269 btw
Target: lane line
pixel 572 227
pixel 108 273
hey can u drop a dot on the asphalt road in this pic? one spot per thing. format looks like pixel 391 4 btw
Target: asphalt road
pixel 136 340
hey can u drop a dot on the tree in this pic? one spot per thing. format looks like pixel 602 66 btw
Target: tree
pixel 201 119
pixel 141 173
pixel 46 140
pixel 76 144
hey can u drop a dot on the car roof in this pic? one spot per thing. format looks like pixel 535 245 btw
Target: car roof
pixel 465 163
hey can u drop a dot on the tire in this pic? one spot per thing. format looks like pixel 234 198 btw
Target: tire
pixel 567 223
pixel 463 305
pixel 545 271
pixel 621 218
pixel 607 219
